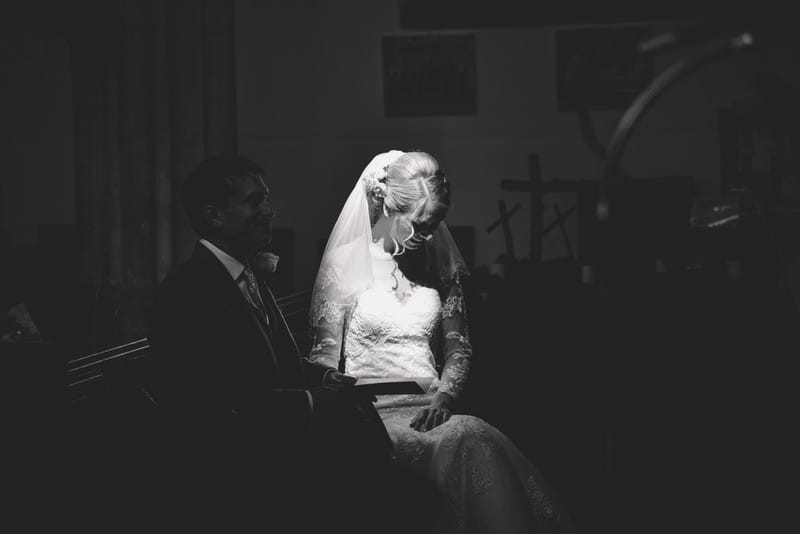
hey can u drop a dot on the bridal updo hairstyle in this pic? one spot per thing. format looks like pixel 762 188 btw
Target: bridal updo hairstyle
pixel 415 191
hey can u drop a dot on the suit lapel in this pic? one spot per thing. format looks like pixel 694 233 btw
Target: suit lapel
pixel 288 353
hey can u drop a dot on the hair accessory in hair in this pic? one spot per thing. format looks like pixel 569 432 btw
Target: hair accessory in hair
pixel 376 182
pixel 381 175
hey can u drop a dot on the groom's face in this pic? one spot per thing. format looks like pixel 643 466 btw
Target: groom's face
pixel 248 214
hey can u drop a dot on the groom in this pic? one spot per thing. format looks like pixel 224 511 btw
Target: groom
pixel 252 426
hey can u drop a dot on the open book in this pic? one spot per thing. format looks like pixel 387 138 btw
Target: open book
pixel 393 386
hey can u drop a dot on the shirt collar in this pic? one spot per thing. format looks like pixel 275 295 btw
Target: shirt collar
pixel 232 265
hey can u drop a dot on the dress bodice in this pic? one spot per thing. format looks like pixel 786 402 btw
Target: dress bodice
pixel 386 328
pixel 389 336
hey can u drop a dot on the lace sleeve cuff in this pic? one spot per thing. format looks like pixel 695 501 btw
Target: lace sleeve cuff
pixel 455 374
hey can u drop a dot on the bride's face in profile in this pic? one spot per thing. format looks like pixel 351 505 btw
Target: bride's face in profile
pixel 423 231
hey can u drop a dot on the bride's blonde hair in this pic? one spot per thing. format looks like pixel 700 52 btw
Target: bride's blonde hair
pixel 416 192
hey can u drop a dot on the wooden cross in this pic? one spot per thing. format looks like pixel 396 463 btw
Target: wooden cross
pixel 505 215
pixel 536 188
pixel 560 221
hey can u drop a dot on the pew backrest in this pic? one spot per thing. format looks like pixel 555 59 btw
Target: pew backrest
pixel 91 375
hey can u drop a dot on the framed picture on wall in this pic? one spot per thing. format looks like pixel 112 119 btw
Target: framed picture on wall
pixel 600 68
pixel 428 75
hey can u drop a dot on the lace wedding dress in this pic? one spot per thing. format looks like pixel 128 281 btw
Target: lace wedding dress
pixel 488 485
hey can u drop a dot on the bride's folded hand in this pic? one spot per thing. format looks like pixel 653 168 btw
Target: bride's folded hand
pixel 438 412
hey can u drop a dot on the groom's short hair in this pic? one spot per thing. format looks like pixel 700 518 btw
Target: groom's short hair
pixel 210 183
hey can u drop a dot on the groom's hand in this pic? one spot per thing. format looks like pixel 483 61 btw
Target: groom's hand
pixel 434 415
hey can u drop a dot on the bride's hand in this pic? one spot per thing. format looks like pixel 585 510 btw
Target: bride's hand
pixel 434 415
pixel 333 377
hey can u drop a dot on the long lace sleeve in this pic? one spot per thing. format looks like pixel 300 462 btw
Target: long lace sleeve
pixel 327 317
pixel 457 348
pixel 344 272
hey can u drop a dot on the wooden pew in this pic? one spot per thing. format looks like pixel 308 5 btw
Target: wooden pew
pixel 106 372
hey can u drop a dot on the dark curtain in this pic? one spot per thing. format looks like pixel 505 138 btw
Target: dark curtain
pixel 153 94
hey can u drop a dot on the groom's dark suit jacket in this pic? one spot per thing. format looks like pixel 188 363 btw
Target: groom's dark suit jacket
pixel 240 384
pixel 215 358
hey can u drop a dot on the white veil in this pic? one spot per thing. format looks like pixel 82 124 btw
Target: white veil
pixel 346 266
pixel 444 258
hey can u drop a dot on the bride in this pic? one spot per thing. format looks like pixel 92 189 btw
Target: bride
pixel 387 298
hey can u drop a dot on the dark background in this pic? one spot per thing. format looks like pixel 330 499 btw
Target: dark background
pixel 659 397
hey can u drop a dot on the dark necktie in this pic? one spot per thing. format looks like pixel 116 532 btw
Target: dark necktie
pixel 253 296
